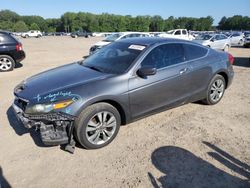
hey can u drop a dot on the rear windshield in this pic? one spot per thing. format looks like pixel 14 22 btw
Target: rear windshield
pixel 115 58
pixel 7 38
pixel 112 37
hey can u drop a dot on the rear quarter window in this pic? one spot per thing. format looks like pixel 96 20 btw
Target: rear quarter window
pixel 6 38
pixel 194 51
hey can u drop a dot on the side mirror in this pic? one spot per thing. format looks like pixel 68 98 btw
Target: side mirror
pixel 146 71
pixel 212 40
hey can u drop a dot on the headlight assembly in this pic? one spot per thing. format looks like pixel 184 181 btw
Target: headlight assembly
pixel 45 108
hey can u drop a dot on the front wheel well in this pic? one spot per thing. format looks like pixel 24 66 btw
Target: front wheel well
pixel 119 108
pixel 225 76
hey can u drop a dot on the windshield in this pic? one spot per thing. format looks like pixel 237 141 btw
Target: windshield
pixel 112 37
pixel 170 32
pixel 204 37
pixel 115 58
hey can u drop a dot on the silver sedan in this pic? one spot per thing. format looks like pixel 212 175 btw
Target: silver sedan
pixel 215 41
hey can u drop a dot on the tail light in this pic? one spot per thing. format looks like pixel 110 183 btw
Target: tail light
pixel 231 59
pixel 19 47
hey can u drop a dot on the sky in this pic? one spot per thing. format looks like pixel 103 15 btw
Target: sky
pixel 165 8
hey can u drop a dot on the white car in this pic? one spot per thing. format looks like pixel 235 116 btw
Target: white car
pixel 114 37
pixel 215 41
pixel 178 34
pixel 236 39
pixel 32 33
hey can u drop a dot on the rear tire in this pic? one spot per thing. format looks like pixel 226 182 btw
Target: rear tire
pixel 97 125
pixel 215 90
pixel 7 63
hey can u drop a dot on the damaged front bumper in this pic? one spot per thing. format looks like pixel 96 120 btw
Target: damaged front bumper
pixel 55 128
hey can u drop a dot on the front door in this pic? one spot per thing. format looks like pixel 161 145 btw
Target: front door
pixel 169 86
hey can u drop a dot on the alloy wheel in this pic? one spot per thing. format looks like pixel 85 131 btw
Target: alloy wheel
pixel 217 90
pixel 5 64
pixel 101 127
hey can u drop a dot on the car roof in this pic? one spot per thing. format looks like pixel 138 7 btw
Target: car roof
pixel 5 32
pixel 148 41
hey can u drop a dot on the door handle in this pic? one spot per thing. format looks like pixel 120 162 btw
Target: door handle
pixel 182 71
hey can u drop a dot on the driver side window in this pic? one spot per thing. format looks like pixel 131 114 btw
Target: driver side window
pixel 164 55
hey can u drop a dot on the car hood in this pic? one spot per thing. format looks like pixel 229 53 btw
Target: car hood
pixel 57 80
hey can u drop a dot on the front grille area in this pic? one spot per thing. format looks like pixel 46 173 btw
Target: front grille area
pixel 21 103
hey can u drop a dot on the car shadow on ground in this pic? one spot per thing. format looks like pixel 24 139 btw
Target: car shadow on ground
pixel 18 65
pixel 3 182
pixel 182 169
pixel 242 61
pixel 21 130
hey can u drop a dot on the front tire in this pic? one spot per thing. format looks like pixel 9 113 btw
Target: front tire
pixel 97 125
pixel 226 48
pixel 215 90
pixel 6 63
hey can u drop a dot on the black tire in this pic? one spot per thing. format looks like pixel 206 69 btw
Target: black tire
pixel 26 36
pixel 208 100
pixel 86 115
pixel 9 60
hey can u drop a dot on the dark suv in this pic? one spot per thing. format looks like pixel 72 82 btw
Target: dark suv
pixel 11 52
pixel 81 34
pixel 127 80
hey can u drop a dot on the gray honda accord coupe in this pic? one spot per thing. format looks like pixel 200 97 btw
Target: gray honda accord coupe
pixel 127 80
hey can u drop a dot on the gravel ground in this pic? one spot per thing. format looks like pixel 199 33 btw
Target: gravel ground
pixel 190 146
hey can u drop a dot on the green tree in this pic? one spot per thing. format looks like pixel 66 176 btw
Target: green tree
pixel 156 23
pixel 222 22
pixel 20 26
pixel 34 26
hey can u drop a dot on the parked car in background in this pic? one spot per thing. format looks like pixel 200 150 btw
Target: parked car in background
pixel 32 33
pixel 59 34
pixel 215 41
pixel 247 40
pixel 81 34
pixel 236 39
pixel 115 37
pixel 11 52
pixel 177 33
pixel 127 80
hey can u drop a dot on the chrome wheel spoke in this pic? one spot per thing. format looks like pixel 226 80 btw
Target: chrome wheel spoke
pixel 94 136
pixel 92 123
pixel 104 116
pixel 104 135
pixel 111 120
pixel 110 125
pixel 213 94
pixel 99 116
pixel 109 133
pixel 90 129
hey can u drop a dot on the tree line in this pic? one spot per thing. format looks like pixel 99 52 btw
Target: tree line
pixel 236 22
pixel 81 21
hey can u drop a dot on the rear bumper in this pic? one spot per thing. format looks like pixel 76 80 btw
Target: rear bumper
pixel 54 128
pixel 230 76
pixel 19 56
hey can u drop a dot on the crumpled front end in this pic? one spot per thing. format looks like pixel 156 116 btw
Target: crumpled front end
pixel 55 128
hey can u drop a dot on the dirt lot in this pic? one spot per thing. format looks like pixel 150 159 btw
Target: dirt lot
pixel 189 146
